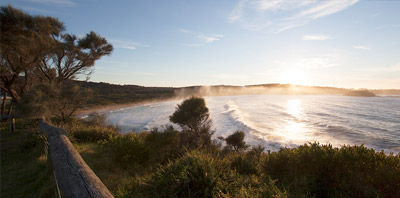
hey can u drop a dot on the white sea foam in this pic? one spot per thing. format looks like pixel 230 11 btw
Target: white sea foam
pixel 282 120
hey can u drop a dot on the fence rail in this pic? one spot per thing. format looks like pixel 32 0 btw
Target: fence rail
pixel 73 176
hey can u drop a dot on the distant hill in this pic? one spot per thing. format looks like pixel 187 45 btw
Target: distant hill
pixel 106 93
pixel 362 93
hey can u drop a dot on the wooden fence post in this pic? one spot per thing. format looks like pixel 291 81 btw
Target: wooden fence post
pixel 73 176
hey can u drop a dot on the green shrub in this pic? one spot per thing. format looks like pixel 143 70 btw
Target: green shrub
pixel 165 145
pixel 93 133
pixel 129 149
pixel 193 117
pixel 196 174
pixel 236 141
pixel 201 173
pixel 324 171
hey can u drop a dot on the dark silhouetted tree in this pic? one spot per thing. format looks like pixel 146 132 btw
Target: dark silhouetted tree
pixel 193 117
pixel 50 100
pixel 24 40
pixel 236 140
pixel 35 50
pixel 73 57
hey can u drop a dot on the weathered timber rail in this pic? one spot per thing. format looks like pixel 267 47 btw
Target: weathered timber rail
pixel 73 176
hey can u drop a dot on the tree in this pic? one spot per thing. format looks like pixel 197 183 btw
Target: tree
pixel 24 41
pixel 72 57
pixel 236 140
pixel 192 114
pixel 193 117
pixel 50 100
pixel 35 51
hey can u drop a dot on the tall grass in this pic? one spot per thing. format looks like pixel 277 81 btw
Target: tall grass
pixel 163 164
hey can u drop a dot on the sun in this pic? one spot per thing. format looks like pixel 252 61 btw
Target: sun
pixel 294 76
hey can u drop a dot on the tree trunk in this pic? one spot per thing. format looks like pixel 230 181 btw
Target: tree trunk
pixel 3 104
pixel 10 109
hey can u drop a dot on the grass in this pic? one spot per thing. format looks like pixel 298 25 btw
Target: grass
pixel 160 164
pixel 24 172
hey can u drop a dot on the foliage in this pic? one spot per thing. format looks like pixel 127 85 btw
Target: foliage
pixel 204 174
pixel 49 100
pixel 192 114
pixel 157 164
pixel 236 140
pixel 72 57
pixel 24 171
pixel 36 52
pixel 193 117
pixel 24 41
pixel 105 93
pixel 324 171
pixel 93 129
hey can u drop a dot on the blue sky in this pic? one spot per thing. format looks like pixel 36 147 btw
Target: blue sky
pixel 341 43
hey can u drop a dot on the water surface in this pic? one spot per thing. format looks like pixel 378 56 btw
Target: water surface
pixel 285 120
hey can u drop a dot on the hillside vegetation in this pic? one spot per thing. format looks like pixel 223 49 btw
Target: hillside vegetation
pixel 106 93
pixel 188 163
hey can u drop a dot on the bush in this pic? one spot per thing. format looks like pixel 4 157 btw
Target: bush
pixel 93 129
pixel 236 141
pixel 165 145
pixel 324 171
pixel 193 117
pixel 93 133
pixel 129 149
pixel 200 173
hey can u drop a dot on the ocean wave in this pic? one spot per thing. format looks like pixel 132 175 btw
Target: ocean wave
pixel 237 117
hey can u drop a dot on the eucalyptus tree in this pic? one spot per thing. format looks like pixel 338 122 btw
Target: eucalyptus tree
pixel 36 50
pixel 24 41
pixel 72 57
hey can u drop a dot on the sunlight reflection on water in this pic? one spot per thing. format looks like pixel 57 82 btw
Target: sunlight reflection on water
pixel 286 120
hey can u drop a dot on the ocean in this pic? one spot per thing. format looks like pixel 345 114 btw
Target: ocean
pixel 276 121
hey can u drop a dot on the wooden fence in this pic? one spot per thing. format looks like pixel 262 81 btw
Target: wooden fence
pixel 73 176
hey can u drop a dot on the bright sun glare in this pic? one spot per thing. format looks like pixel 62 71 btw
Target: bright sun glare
pixel 297 77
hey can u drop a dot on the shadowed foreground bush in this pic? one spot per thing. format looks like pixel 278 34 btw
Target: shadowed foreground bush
pixel 324 171
pixel 205 174
pixel 162 164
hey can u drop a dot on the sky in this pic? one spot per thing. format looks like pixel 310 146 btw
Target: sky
pixel 338 43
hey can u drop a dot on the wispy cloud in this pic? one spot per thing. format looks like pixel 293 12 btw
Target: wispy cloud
pixel 210 39
pixel 26 8
pixel 318 61
pixel 194 45
pixel 68 3
pixel 361 47
pixel 280 15
pixel 205 39
pixel 318 37
pixel 126 44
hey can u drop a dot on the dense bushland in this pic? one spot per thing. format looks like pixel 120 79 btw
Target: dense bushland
pixel 161 163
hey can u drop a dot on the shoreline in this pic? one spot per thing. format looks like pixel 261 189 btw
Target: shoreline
pixel 88 111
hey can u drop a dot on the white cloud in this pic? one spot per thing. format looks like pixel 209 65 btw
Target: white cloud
pixel 55 2
pixel 202 37
pixel 26 8
pixel 126 44
pixel 210 39
pixel 361 47
pixel 281 15
pixel 194 45
pixel 318 61
pixel 318 37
